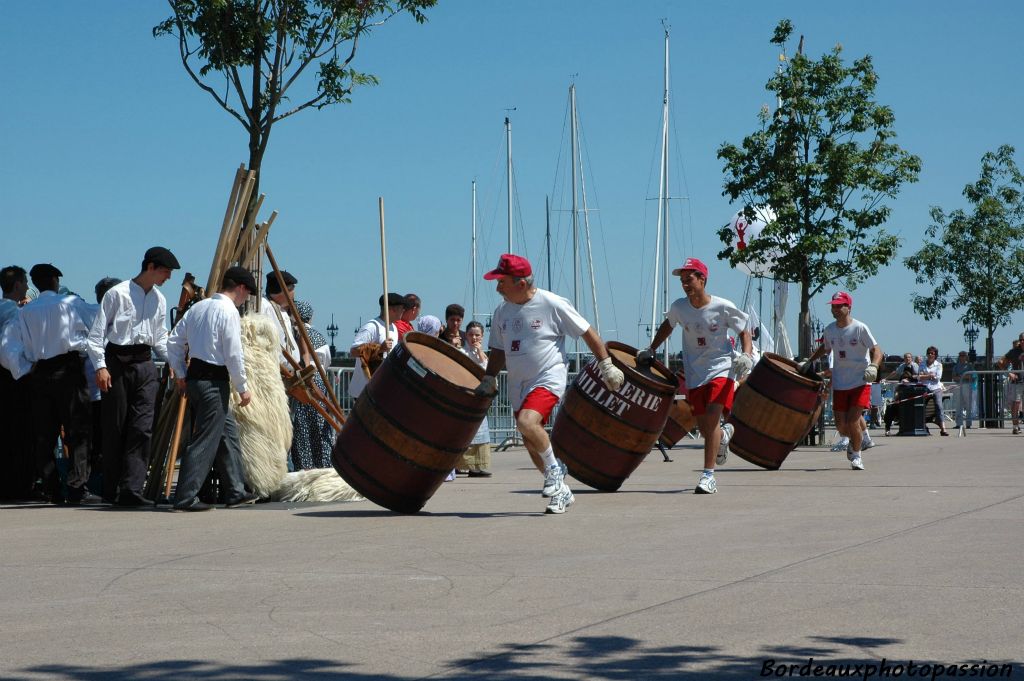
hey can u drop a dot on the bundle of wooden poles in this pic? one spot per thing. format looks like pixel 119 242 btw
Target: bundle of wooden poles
pixel 243 242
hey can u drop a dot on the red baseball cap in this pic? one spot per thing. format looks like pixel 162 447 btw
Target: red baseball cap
pixel 841 298
pixel 510 265
pixel 692 264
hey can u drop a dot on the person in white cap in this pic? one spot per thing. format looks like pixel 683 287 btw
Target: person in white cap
pixel 855 361
pixel 528 333
pixel 710 369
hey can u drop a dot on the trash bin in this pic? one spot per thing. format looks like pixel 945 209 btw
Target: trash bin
pixel 990 400
pixel 911 397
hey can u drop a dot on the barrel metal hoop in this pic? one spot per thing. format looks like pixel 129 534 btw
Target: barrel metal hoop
pixel 399 427
pixel 455 410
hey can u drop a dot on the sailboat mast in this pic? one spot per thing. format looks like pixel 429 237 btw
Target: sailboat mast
pixel 664 195
pixel 508 156
pixel 575 216
pixel 474 249
pixel 661 236
pixel 547 237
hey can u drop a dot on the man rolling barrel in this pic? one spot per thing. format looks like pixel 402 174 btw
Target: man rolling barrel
pixel 528 332
pixel 855 361
pixel 707 360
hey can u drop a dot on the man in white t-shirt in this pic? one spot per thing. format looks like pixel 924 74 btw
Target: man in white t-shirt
pixel 371 344
pixel 708 362
pixel 855 361
pixel 528 333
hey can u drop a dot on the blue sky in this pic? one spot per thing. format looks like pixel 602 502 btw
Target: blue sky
pixel 106 146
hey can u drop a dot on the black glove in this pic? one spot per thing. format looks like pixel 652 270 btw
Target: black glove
pixel 645 357
pixel 488 387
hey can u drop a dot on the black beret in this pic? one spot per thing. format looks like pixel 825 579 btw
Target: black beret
pixel 394 300
pixel 161 257
pixel 44 269
pixel 272 285
pixel 242 277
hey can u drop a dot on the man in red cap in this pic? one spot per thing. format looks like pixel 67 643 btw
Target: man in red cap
pixel 528 333
pixel 855 361
pixel 708 362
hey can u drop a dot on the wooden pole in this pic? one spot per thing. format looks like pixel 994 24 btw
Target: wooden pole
pixel 172 457
pixel 301 325
pixel 384 270
pixel 225 225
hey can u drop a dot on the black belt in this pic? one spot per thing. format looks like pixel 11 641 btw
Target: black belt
pixel 58 362
pixel 129 354
pixel 198 370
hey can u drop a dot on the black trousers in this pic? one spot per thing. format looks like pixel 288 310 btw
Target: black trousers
pixel 127 409
pixel 60 398
pixel 17 463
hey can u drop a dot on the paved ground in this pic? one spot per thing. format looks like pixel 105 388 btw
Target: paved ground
pixel 917 558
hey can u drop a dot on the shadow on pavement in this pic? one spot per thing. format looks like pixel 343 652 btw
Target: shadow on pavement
pixel 612 658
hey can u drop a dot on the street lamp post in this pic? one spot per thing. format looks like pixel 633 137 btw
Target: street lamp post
pixel 970 335
pixel 332 331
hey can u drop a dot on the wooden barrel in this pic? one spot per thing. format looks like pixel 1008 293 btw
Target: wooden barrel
pixel 603 436
pixel 411 423
pixel 680 422
pixel 773 410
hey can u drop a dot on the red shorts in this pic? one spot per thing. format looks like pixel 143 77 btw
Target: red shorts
pixel 715 391
pixel 540 400
pixel 845 400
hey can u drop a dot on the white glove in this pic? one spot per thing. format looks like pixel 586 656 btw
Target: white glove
pixel 610 374
pixel 871 373
pixel 742 365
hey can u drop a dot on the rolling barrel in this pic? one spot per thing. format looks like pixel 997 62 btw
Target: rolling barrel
pixel 680 422
pixel 603 436
pixel 772 411
pixel 411 423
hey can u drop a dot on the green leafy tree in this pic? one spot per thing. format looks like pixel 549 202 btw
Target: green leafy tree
pixel 249 55
pixel 825 162
pixel 973 261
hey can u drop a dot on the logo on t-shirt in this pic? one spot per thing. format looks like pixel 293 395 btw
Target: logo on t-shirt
pixel 713 327
pixel 517 325
pixel 515 346
pixel 701 342
pixel 534 324
pixel 842 354
pixel 853 342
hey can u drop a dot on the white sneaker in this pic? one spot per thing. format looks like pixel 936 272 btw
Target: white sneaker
pixel 562 501
pixel 706 485
pixel 554 477
pixel 856 463
pixel 723 448
pixel 841 444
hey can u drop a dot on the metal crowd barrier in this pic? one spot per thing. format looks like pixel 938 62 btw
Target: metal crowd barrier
pixel 500 419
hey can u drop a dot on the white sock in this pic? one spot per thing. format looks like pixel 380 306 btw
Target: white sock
pixel 548 457
pixel 865 437
pixel 855 455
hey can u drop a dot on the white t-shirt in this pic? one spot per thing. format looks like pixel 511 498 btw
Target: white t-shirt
pixel 935 371
pixel 851 347
pixel 707 352
pixel 370 332
pixel 532 336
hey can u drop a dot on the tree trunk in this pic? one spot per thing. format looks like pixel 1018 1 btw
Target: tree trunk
pixel 989 348
pixel 804 322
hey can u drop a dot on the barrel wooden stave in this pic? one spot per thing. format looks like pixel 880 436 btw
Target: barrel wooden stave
pixel 411 424
pixel 680 422
pixel 602 436
pixel 772 411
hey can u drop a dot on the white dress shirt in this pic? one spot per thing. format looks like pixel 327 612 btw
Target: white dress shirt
pixel 211 330
pixel 11 356
pixel 129 315
pixel 51 325
pixel 283 323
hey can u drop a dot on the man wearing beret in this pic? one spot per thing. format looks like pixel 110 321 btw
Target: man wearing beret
pixel 275 307
pixel 372 341
pixel 129 328
pixel 211 332
pixel 49 340
pixel 17 468
pixel 528 332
